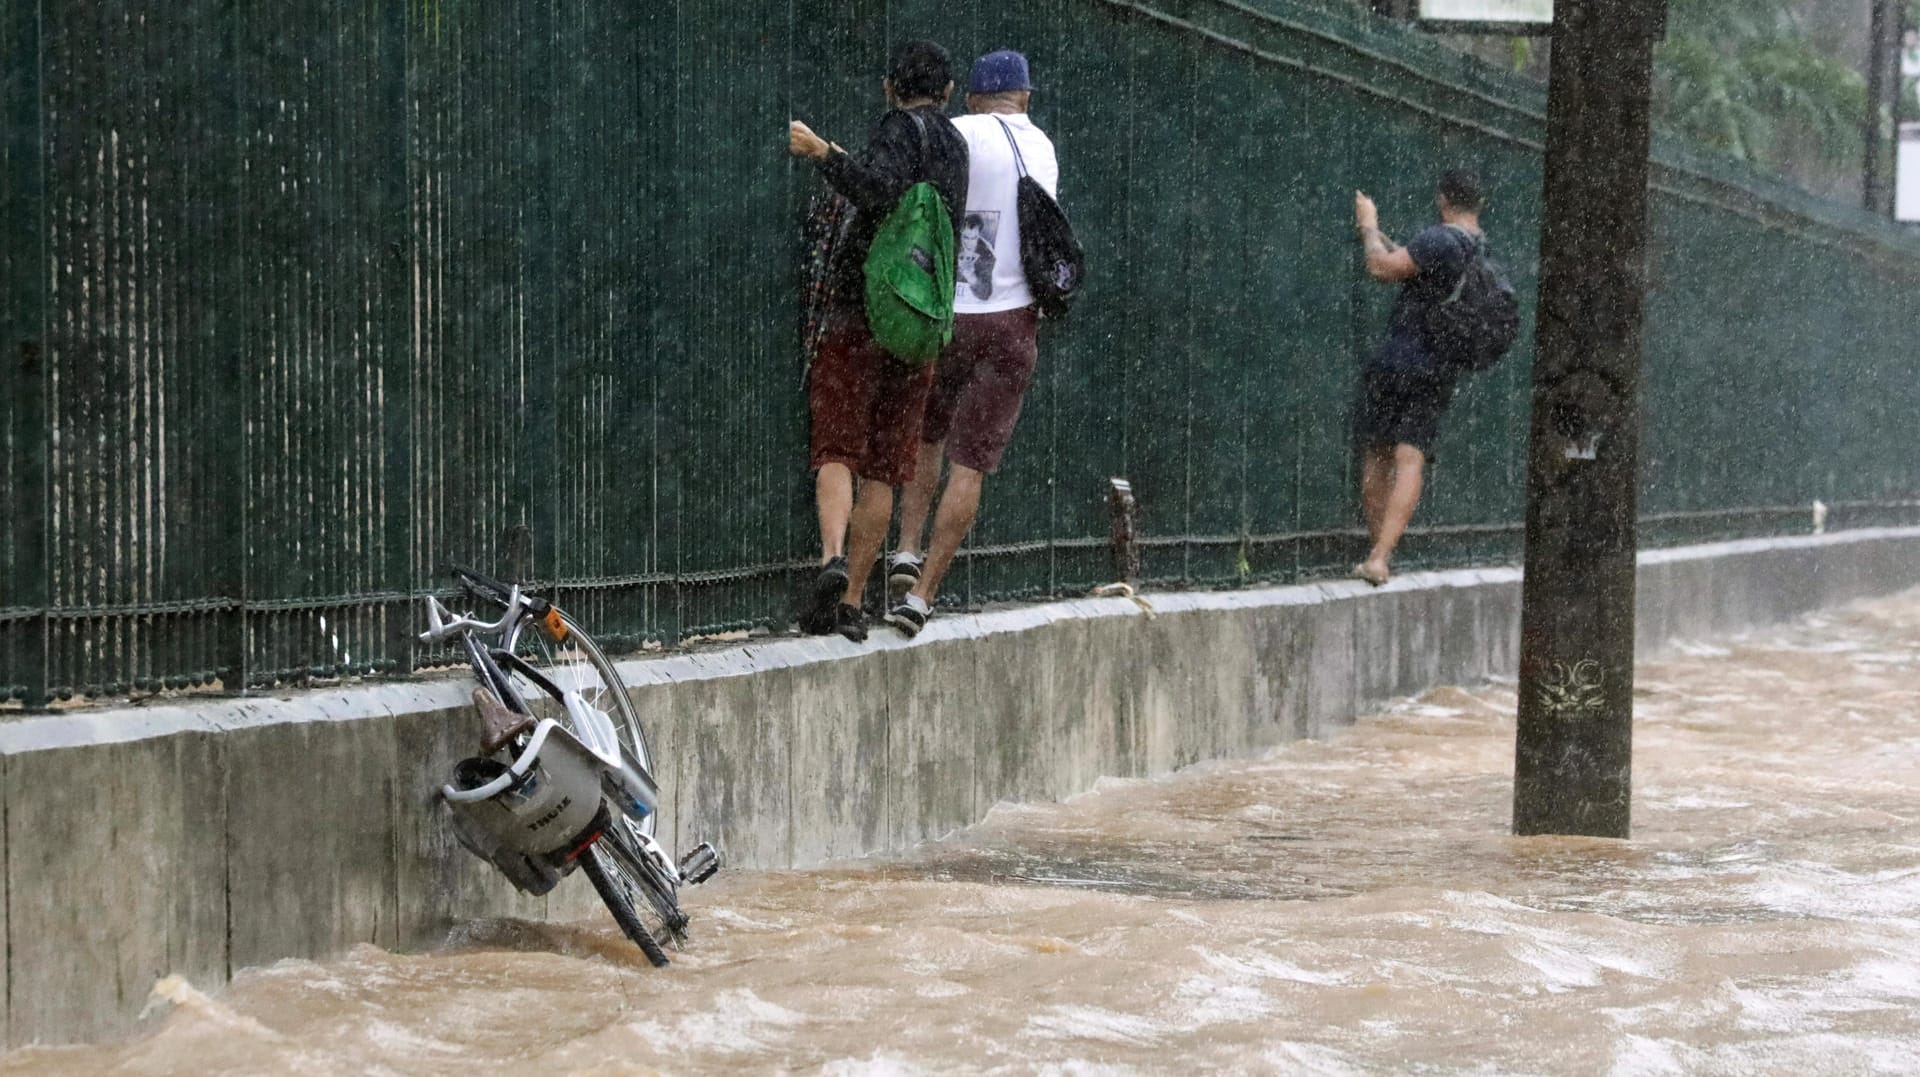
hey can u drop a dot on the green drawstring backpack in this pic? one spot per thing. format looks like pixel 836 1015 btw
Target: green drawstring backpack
pixel 910 270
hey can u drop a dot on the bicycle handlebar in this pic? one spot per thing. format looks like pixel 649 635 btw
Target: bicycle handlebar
pixel 445 624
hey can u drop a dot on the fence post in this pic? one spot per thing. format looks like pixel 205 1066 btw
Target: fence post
pixel 393 198
pixel 23 283
pixel 232 321
pixel 541 431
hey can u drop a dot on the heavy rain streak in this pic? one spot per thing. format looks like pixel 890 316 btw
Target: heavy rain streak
pixel 1349 905
pixel 350 349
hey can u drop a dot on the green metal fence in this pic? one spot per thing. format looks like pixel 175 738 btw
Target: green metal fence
pixel 304 300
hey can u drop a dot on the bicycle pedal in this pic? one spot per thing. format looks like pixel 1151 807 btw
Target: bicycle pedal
pixel 699 864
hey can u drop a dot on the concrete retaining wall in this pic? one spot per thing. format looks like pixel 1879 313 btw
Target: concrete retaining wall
pixel 198 840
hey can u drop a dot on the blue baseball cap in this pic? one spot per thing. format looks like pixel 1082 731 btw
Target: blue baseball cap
pixel 999 72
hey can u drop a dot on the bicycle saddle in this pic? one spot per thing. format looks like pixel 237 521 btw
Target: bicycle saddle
pixel 498 725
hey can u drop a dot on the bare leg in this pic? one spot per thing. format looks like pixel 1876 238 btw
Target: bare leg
pixel 958 507
pixel 917 496
pixel 1376 482
pixel 1409 463
pixel 833 497
pixel 872 512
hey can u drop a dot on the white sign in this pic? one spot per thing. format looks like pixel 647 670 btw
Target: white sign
pixel 1906 200
pixel 1528 11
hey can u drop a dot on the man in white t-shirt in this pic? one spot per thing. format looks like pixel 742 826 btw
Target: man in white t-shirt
pixel 983 375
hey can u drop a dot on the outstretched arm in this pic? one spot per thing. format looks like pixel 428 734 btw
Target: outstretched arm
pixel 875 180
pixel 1387 261
pixel 802 142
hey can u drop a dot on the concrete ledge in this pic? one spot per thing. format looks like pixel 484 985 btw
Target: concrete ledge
pixel 200 839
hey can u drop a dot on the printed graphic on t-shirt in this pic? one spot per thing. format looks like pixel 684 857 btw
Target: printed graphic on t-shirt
pixel 977 234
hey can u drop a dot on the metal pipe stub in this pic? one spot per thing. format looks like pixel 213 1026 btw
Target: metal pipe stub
pixel 1126 547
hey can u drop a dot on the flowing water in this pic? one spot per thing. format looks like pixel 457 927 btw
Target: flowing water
pixel 1346 906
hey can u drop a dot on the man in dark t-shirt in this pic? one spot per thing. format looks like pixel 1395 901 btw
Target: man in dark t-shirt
pixel 866 406
pixel 1404 388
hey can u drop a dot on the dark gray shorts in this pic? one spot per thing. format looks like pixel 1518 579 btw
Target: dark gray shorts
pixel 1400 407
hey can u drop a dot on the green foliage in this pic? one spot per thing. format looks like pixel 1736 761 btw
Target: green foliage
pixel 1745 77
pixel 1522 48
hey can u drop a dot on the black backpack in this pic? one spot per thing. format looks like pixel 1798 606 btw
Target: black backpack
pixel 1473 328
pixel 1050 256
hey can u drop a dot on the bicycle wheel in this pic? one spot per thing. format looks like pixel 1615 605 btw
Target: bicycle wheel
pixel 634 857
pixel 617 893
pixel 575 663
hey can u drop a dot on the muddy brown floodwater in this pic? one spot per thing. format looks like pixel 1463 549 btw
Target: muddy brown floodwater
pixel 1347 906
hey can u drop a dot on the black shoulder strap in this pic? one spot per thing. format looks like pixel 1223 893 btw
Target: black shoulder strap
pixel 1018 161
pixel 926 154
pixel 1476 249
pixel 1476 244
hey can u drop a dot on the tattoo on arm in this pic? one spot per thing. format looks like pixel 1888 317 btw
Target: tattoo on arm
pixel 1377 242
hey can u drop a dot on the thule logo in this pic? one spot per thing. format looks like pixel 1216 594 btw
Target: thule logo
pixel 552 815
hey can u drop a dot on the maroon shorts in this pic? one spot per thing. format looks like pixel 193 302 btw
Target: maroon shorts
pixel 983 377
pixel 866 405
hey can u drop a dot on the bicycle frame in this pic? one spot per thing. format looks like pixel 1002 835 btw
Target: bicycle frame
pixel 502 811
pixel 444 624
pixel 592 729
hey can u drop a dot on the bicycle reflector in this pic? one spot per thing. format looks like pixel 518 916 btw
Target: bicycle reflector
pixel 555 626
